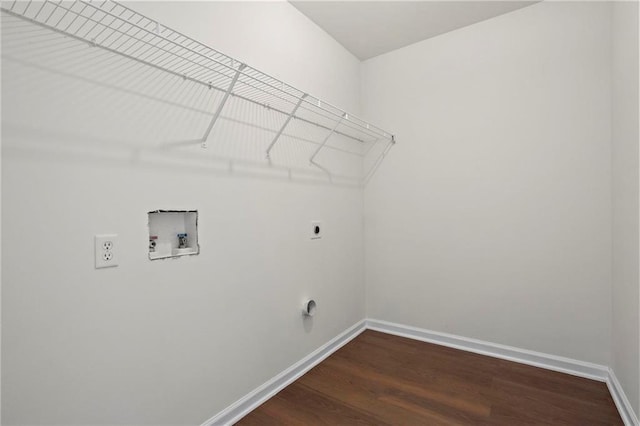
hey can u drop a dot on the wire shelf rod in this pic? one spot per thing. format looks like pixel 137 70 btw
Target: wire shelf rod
pixel 245 98
pixel 220 106
pixel 40 10
pixel 373 143
pixel 284 125
pixel 150 46
pixel 98 22
pixel 307 109
pixel 140 89
pixel 28 6
pixel 125 41
pixel 168 47
pixel 176 45
pixel 283 85
pixel 284 135
pixel 74 18
pixel 378 160
pixel 106 48
pixel 324 142
pixel 119 26
pixel 90 18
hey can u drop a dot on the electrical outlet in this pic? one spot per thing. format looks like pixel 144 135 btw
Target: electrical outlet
pixel 316 230
pixel 106 250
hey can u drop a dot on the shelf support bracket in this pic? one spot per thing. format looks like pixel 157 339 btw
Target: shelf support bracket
pixel 381 157
pixel 222 103
pixel 291 114
pixel 344 116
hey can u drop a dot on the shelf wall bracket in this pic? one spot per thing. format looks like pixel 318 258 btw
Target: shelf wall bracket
pixel 376 164
pixel 289 117
pixel 221 105
pixel 344 116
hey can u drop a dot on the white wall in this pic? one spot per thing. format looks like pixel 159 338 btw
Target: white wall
pixel 626 326
pixel 491 218
pixel 175 341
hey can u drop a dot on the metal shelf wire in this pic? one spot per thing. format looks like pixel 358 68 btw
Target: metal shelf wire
pixel 120 30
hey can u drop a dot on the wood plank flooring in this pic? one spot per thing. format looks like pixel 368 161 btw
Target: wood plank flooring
pixel 380 379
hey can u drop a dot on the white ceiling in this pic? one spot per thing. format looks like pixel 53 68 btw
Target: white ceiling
pixel 371 28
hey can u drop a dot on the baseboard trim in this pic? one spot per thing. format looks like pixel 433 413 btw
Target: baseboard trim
pixel 601 373
pixel 510 353
pixel 622 402
pixel 246 404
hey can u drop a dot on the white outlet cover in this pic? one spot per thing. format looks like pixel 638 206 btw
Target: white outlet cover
pixel 317 230
pixel 106 250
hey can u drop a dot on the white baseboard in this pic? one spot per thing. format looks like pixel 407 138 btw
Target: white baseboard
pixel 246 404
pixel 622 402
pixel 510 353
pixel 243 406
pixel 523 356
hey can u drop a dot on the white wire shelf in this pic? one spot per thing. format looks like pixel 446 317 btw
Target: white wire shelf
pixel 120 30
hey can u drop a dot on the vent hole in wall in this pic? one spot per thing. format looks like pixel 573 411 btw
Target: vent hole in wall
pixel 309 308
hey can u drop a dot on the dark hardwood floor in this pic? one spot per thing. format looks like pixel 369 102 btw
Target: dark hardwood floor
pixel 380 379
